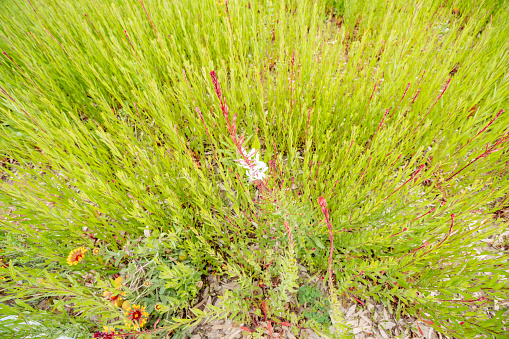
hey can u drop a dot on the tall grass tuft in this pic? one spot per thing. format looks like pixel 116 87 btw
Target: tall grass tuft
pixel 117 138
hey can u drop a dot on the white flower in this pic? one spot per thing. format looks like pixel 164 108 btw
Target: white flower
pixel 255 167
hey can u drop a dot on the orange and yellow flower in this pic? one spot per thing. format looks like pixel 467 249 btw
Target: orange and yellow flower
pixel 76 256
pixel 95 251
pixel 114 298
pixel 3 266
pixel 136 317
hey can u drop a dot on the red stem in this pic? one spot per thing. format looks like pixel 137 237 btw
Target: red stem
pixel 104 42
pixel 406 182
pixel 323 205
pixel 19 68
pixel 450 231
pixel 149 19
pixel 379 125
pixel 364 114
pixel 484 154
pixel 309 117
pixel 436 101
pixel 484 129
pixel 404 94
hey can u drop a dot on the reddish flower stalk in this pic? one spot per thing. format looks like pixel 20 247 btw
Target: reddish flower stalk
pixel 292 74
pixel 19 68
pixel 406 182
pixel 323 205
pixel 229 20
pixel 310 168
pixel 276 155
pixel 159 74
pixel 240 181
pixel 430 211
pixel 272 164
pixel 275 148
pixel 434 104
pixel 264 309
pixel 358 275
pixel 420 80
pixel 419 327
pixel 307 128
pixel 395 234
pixel 429 322
pixel 247 216
pixel 290 236
pixel 438 9
pixel 369 102
pixel 26 113
pixel 450 231
pixel 425 245
pixel 360 302
pixel 231 223
pixel 333 187
pixel 47 31
pixel 317 168
pixel 415 96
pixel 349 148
pixel 404 94
pixel 244 328
pixel 467 301
pixel 232 128
pixel 379 125
pixel 282 184
pixel 134 51
pixel 149 19
pixel 481 131
pixel 362 175
pixel 487 152
pixel 204 123
pixel 392 165
pixel 412 102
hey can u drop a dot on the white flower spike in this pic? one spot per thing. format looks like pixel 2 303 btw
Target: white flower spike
pixel 255 167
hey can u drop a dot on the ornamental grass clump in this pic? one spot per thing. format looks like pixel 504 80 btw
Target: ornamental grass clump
pixel 258 143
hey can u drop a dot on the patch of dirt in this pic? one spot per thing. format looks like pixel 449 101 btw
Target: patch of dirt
pixel 368 321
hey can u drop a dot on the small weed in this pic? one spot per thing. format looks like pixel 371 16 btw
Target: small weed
pixel 316 306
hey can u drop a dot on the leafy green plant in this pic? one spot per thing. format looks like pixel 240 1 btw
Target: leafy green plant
pixel 337 7
pixel 316 306
pixel 147 140
pixel 181 280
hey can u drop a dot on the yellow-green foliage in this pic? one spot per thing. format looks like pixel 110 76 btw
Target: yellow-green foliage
pixel 112 138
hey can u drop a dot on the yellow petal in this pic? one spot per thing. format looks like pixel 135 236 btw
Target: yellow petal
pixel 118 282
pixel 118 302
pixel 126 304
